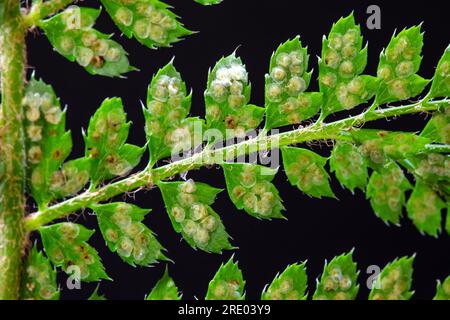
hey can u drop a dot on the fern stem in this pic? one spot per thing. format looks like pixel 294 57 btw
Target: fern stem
pixel 12 149
pixel 149 177
pixel 40 10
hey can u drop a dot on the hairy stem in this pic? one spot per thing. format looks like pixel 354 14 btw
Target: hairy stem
pixel 208 156
pixel 12 149
pixel 40 10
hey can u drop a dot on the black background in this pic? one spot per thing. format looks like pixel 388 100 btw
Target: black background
pixel 316 229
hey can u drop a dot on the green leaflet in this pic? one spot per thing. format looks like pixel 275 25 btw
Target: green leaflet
pixel 349 166
pixel 168 130
pixel 96 296
pixel 39 278
pixel 441 80
pixel 443 290
pixel 338 280
pixel 227 284
pixel 250 189
pixel 208 2
pixel 291 284
pixel 378 146
pixel 386 191
pixel 149 21
pixel 105 143
pixel 438 128
pixel 394 281
pixel 66 246
pixel 122 228
pixel 226 99
pixel 165 289
pixel 48 145
pixel 424 209
pixel 286 99
pixel 72 35
pixel 188 206
pixel 340 67
pixel 398 66
pixel 305 169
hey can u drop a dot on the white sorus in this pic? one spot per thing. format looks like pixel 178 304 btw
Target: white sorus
pixel 33 100
pixel 121 217
pixel 274 92
pixel 198 211
pixel 238 73
pixel 144 8
pixel 69 231
pixel 139 253
pixel 356 85
pixel 113 55
pixel 53 115
pixel 72 18
pixel 209 223
pixel 178 214
pixel 111 235
pixel 248 177
pixel 201 236
pixel 236 88
pixel 124 16
pixel 304 101
pixel 66 44
pixel 35 133
pixel 34 154
pixel 278 74
pixel 173 86
pixel 100 47
pixel 289 105
pixel 120 167
pixel 349 52
pixel 335 41
pixel 188 186
pixel 84 56
pixel 180 139
pixel 141 28
pixel 296 69
pixel 284 60
pixel 156 108
pixel 46 101
pixel 134 229
pixel 332 59
pixel 190 227
pixel 33 114
pixel 236 101
pixel 88 38
pixel 156 16
pixel 297 57
pixel 125 247
pixel 218 90
pixel 157 33
pixel 350 37
pixel 329 80
pixel 168 23
pixel 404 68
pixel 295 86
pixel 385 72
pixel 346 68
pixel 399 89
pixel 186 199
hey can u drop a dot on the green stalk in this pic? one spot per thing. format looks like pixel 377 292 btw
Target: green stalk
pixel 12 149
pixel 209 156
